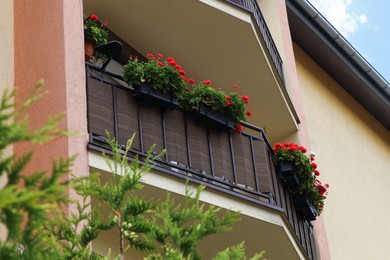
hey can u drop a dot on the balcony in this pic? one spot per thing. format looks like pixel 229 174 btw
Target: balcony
pixel 230 36
pixel 238 165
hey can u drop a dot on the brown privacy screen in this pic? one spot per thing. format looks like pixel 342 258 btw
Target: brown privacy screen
pixel 239 159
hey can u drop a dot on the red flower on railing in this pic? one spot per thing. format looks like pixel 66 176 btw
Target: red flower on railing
pixel 306 170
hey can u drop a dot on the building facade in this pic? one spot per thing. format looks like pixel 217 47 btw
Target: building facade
pixel 306 84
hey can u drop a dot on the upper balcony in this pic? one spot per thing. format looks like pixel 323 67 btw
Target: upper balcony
pixel 225 41
pixel 237 166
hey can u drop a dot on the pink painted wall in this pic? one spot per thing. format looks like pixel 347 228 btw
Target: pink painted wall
pixel 303 135
pixel 49 46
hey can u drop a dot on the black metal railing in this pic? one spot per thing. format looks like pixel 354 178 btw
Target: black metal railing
pixel 241 165
pixel 253 7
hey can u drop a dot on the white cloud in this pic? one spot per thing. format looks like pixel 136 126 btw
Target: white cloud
pixel 339 14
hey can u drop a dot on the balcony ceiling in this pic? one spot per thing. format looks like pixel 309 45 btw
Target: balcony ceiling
pixel 211 40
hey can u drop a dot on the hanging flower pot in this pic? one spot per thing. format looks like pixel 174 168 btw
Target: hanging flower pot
pixel 214 118
pixel 305 209
pixel 88 49
pixel 95 34
pixel 288 175
pixel 145 93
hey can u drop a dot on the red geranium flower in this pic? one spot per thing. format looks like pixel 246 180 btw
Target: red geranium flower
pixel 311 158
pixel 172 62
pixel 160 64
pixel 159 55
pixel 248 113
pixel 182 72
pixel 227 97
pixel 321 189
pixel 317 173
pixel 93 17
pixel 246 99
pixel 303 149
pixel 191 81
pixel 314 165
pixel 207 82
pixel 238 128
pixel 235 86
pixel 228 103
pixel 278 145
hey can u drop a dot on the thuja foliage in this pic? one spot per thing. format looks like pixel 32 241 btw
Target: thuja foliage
pixel 26 199
pixel 128 213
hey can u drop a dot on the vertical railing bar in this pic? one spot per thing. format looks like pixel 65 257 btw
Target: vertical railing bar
pixel 275 182
pixel 164 134
pixel 307 238
pixel 254 164
pixel 88 76
pixel 114 103
pixel 141 134
pixel 210 152
pixel 232 157
pixel 187 141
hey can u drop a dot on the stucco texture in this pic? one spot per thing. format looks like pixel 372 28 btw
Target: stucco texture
pixel 49 45
pixel 353 154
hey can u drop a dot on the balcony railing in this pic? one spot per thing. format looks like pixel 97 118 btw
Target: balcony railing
pixel 241 165
pixel 253 7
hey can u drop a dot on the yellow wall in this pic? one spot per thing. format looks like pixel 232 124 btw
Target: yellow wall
pixel 353 154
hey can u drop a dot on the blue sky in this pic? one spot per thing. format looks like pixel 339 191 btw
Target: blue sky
pixel 365 24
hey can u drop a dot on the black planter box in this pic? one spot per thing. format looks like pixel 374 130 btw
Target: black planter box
pixel 304 207
pixel 216 119
pixel 145 93
pixel 288 175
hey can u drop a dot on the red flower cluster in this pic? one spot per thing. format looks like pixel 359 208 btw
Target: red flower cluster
pixel 289 146
pixel 238 128
pixel 246 99
pixel 170 62
pixel 93 17
pixel 234 104
pixel 306 169
pixel 322 189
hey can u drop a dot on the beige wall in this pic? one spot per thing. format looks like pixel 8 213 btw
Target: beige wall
pixel 6 67
pixel 6 44
pixel 353 154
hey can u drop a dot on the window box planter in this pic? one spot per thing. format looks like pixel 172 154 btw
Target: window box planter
pixel 288 175
pixel 304 207
pixel 145 93
pixel 213 118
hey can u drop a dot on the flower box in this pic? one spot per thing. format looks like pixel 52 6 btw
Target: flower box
pixel 288 175
pixel 145 93
pixel 305 209
pixel 219 120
